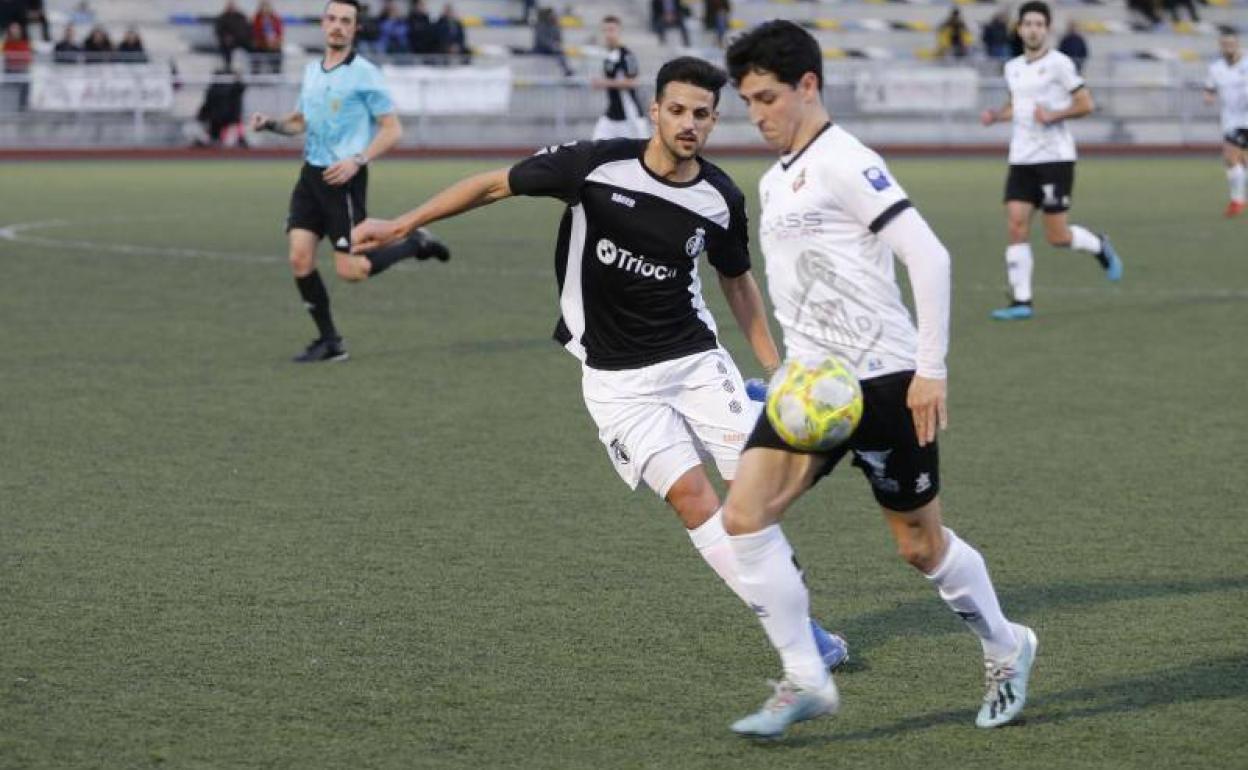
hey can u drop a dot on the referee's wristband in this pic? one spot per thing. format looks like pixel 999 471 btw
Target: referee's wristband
pixel 270 125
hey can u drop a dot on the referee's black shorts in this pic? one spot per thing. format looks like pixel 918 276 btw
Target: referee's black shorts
pixel 903 475
pixel 1237 137
pixel 328 211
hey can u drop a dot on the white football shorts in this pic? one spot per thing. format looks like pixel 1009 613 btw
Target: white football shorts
pixel 659 421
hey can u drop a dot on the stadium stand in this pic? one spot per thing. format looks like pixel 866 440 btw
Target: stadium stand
pixel 1142 73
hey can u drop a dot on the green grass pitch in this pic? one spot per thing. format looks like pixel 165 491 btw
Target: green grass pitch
pixel 212 558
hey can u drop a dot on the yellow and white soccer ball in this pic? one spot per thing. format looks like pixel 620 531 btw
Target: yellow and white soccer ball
pixel 814 405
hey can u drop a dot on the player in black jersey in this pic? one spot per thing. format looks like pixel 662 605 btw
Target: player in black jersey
pixel 639 215
pixel 623 118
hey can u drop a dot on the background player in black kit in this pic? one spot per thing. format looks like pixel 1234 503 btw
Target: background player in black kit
pixel 623 118
pixel 639 215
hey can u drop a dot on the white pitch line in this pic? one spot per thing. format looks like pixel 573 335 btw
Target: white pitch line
pixel 18 233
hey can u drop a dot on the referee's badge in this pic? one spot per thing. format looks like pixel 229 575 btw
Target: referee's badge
pixel 697 244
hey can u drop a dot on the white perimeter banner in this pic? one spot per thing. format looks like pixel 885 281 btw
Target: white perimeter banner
pixel 449 90
pixel 101 88
pixel 938 89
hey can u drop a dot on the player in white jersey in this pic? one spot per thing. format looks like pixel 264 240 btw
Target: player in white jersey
pixel 639 216
pixel 1228 83
pixel 1045 91
pixel 623 118
pixel 833 219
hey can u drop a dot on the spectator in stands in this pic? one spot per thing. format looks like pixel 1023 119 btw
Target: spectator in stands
pixel 718 15
pixel 97 48
pixel 266 39
pixel 67 50
pixel 36 15
pixel 996 37
pixel 368 34
pixel 1173 7
pixel 953 38
pixel 527 11
pixel 669 14
pixel 1073 45
pixel 452 41
pixel 130 49
pixel 221 114
pixel 233 32
pixel 12 11
pixel 17 59
pixel 393 29
pixel 421 37
pixel 82 16
pixel 548 38
pixel 1147 9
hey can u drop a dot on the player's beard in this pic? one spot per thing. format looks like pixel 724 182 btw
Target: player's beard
pixel 677 150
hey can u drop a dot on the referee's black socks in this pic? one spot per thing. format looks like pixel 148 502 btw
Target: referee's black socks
pixel 316 300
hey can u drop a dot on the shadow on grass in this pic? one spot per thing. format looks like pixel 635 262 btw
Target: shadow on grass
pixel 1215 679
pixel 930 617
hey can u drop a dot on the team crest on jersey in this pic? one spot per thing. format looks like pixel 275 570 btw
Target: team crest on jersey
pixel 697 244
pixel 877 178
pixel 335 105
pixel 800 182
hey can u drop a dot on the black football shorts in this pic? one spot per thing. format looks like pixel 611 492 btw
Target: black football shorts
pixel 328 211
pixel 1047 186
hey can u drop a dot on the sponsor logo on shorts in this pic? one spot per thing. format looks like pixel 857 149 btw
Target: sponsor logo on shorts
pixel 620 452
pixel 729 387
pixel 622 259
pixel 734 406
pixel 877 462
pixel 922 483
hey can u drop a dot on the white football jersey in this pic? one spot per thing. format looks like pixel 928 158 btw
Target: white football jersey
pixel 1230 81
pixel 830 278
pixel 1048 81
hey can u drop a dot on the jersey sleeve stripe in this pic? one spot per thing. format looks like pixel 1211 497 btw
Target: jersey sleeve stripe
pixel 888 215
pixel 1078 88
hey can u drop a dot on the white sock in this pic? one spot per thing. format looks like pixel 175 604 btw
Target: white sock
pixel 1083 239
pixel 774 589
pixel 1018 270
pixel 963 582
pixel 711 540
pixel 1235 176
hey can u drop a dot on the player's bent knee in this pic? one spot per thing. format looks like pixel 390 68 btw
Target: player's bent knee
pixel 302 262
pixel 693 498
pixel 348 271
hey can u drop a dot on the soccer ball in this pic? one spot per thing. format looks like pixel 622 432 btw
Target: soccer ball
pixel 814 405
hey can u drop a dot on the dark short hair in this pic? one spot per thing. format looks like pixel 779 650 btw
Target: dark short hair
pixel 1226 30
pixel 691 70
pixel 610 19
pixel 779 47
pixel 1036 6
pixel 353 3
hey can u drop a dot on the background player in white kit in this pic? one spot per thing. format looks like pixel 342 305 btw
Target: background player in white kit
pixel 623 118
pixel 640 215
pixel 1046 90
pixel 1228 83
pixel 833 218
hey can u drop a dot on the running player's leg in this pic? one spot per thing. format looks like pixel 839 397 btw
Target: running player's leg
pixel 344 210
pixel 768 481
pixel 1058 181
pixel 305 224
pixel 1022 196
pixel 1233 158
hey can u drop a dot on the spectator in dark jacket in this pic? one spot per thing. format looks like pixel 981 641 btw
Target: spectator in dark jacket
pixel 222 111
pixel 36 16
pixel 130 49
pixel 392 30
pixel 996 38
pixel 233 32
pixel 548 38
pixel 67 50
pixel 1074 46
pixel 449 31
pixel 97 48
pixel 421 37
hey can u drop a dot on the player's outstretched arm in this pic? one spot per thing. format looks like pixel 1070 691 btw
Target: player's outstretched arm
pixel 747 306
pixel 465 195
pixel 288 125
pixel 927 261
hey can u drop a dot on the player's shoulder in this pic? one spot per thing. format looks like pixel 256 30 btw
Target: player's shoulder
pixel 611 150
pixel 719 179
pixel 1059 59
pixel 839 150
pixel 1015 63
pixel 363 64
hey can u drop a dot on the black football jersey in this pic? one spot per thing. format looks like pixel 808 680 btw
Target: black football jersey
pixel 622 103
pixel 628 250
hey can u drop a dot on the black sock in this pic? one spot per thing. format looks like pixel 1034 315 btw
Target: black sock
pixel 316 299
pixel 383 258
